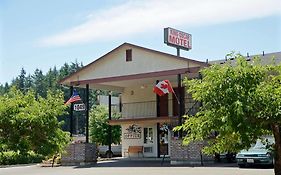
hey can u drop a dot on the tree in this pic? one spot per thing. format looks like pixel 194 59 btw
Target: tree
pixel 4 88
pixel 268 105
pixel 30 124
pixel 22 80
pixel 99 126
pixel 241 102
pixel 40 83
pixel 19 81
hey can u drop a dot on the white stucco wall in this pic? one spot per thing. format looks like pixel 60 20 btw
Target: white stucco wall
pixel 143 61
pixel 139 142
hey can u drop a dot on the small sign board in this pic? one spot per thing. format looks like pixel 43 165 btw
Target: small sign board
pixel 79 107
pixel 178 39
pixel 133 132
pixel 132 135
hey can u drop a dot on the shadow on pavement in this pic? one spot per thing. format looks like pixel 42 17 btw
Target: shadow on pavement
pixel 121 162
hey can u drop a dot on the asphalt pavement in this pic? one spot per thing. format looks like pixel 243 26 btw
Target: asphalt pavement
pixel 132 167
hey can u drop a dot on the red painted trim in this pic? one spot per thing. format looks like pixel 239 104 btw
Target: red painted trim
pixel 138 76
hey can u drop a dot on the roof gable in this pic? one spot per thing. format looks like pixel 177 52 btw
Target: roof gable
pixel 144 60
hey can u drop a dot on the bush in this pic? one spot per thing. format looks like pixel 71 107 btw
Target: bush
pixel 11 157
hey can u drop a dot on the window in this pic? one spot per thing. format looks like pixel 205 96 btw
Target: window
pixel 148 135
pixel 128 55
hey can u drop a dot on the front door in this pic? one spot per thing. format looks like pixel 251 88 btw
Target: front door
pixel 164 139
pixel 163 105
pixel 148 141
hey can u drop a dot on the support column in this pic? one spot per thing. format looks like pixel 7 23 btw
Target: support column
pixel 109 127
pixel 180 106
pixel 71 113
pixel 87 113
pixel 158 125
pixel 157 103
pixel 178 51
pixel 158 140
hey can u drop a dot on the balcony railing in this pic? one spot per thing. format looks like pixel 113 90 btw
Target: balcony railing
pixel 148 108
pixel 139 109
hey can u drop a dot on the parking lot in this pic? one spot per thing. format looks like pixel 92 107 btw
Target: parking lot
pixel 129 167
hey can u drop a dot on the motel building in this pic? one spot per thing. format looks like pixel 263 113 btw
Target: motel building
pixel 146 118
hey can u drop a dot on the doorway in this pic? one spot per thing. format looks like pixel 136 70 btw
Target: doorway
pixel 164 139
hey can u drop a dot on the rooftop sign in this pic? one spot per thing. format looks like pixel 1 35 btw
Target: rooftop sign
pixel 176 38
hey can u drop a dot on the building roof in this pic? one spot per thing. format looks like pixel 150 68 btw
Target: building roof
pixel 202 64
pixel 266 59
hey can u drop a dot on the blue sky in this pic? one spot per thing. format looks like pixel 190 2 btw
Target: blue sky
pixel 42 34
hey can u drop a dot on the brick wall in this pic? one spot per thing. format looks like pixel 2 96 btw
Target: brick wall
pixel 188 154
pixel 79 154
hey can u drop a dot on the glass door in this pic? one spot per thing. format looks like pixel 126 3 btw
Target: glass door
pixel 148 141
pixel 164 139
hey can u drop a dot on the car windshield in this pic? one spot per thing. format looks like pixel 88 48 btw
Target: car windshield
pixel 259 145
pixel 263 144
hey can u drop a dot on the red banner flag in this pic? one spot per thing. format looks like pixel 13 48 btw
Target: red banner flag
pixel 163 87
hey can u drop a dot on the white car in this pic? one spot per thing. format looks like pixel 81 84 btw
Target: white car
pixel 258 154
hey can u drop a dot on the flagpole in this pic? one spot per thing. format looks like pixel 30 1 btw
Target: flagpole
pixel 176 97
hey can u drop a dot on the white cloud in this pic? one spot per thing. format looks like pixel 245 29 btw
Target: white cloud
pixel 140 16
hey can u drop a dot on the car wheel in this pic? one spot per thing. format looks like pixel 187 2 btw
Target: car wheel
pixel 109 154
pixel 241 165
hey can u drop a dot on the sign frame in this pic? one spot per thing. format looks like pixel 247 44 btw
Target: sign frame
pixel 177 38
pixel 79 107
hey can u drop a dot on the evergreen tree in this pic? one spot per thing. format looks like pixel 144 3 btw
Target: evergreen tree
pixel 39 83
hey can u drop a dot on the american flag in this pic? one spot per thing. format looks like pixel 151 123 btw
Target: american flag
pixel 75 97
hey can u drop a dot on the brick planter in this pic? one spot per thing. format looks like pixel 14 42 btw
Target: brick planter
pixel 188 154
pixel 79 154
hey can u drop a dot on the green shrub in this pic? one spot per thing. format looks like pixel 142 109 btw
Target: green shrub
pixel 11 157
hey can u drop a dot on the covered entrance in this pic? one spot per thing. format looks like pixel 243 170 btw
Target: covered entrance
pixel 145 117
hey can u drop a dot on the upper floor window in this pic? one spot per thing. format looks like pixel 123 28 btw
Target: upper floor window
pixel 129 55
